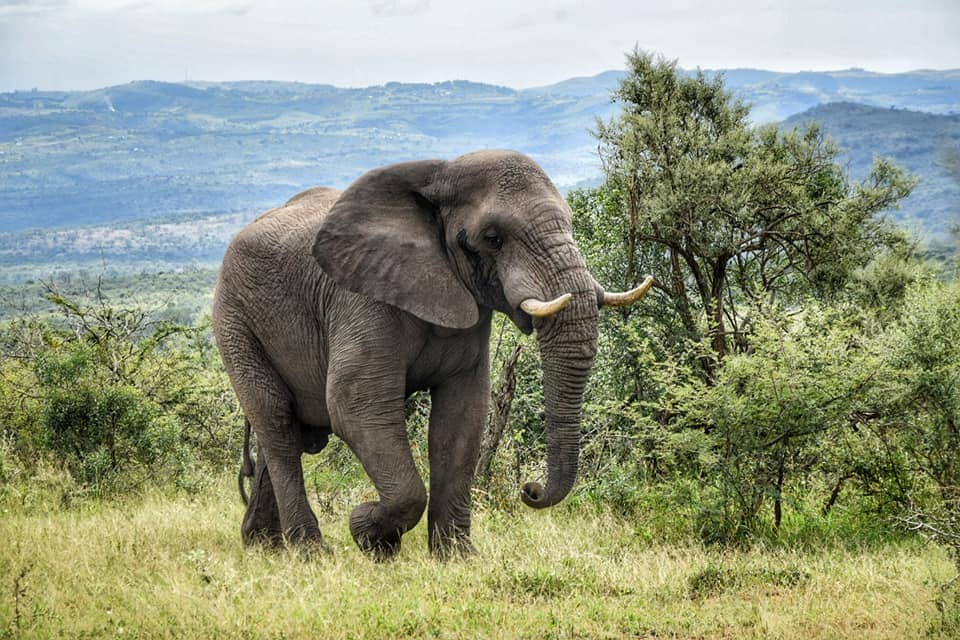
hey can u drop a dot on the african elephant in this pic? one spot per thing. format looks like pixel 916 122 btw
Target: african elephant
pixel 333 308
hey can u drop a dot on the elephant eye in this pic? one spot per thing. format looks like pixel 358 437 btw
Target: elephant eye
pixel 493 239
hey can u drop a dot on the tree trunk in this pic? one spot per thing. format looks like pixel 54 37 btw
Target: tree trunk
pixel 632 210
pixel 713 306
pixel 834 494
pixel 500 415
pixel 679 294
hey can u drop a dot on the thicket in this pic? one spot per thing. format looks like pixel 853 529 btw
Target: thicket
pixel 795 373
pixel 102 400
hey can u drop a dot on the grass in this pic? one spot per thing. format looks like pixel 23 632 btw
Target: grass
pixel 161 567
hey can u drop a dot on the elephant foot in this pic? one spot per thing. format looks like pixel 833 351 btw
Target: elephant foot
pixel 303 535
pixel 261 522
pixel 451 544
pixel 269 534
pixel 255 531
pixel 375 534
pixel 309 545
pixel 310 550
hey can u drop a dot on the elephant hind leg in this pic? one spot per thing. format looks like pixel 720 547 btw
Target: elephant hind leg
pixel 261 522
pixel 279 493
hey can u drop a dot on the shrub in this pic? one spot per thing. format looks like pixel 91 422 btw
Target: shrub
pixel 114 398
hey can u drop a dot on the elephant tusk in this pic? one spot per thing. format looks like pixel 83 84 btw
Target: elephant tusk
pixel 541 309
pixel 628 297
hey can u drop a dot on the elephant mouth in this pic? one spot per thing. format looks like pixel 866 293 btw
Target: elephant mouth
pixel 527 323
pixel 531 313
pixel 523 320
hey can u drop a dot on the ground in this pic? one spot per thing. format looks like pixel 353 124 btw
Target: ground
pixel 164 566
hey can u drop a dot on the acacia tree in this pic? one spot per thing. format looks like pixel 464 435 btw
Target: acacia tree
pixel 727 215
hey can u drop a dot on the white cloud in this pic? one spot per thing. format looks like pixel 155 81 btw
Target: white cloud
pixel 399 8
pixel 165 6
pixel 26 7
pixel 88 43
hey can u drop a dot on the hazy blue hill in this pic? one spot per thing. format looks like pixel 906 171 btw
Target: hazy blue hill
pixel 146 149
pixel 745 77
pixel 116 157
pixel 777 95
pixel 919 142
pixel 599 85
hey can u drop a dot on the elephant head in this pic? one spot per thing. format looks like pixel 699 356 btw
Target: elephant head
pixel 444 240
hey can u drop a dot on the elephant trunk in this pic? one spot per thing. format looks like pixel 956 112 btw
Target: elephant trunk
pixel 568 344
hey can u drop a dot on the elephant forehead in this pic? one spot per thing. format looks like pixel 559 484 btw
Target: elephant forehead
pixel 519 175
pixel 504 171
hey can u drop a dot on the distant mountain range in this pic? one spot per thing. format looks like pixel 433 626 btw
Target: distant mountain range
pixel 159 151
pixel 775 96
pixel 147 149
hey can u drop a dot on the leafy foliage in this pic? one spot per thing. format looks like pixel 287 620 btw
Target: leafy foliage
pixel 796 358
pixel 770 414
pixel 916 414
pixel 115 399
pixel 732 216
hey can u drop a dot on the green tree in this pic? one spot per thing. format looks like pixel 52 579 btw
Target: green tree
pixel 774 415
pixel 728 216
pixel 914 420
pixel 774 270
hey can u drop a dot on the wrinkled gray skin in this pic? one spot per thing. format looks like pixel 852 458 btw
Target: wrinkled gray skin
pixel 335 307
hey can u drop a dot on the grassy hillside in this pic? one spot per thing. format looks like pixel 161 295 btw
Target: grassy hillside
pixel 169 243
pixel 179 293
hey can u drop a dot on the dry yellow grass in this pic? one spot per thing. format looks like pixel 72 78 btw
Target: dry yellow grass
pixel 162 567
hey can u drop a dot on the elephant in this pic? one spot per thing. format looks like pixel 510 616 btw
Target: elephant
pixel 333 308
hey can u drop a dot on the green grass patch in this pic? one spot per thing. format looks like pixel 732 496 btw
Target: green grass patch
pixel 163 566
pixel 715 579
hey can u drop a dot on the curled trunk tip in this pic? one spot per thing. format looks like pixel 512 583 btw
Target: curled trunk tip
pixel 533 495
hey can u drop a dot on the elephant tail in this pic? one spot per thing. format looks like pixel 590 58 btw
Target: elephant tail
pixel 248 466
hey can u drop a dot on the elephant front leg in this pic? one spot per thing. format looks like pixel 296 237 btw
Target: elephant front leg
pixel 367 412
pixel 457 416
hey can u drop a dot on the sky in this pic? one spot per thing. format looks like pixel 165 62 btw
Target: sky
pixel 85 44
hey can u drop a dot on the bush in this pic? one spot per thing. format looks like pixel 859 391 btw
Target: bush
pixel 915 416
pixel 115 399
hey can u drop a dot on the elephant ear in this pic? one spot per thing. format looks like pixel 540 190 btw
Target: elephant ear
pixel 383 239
